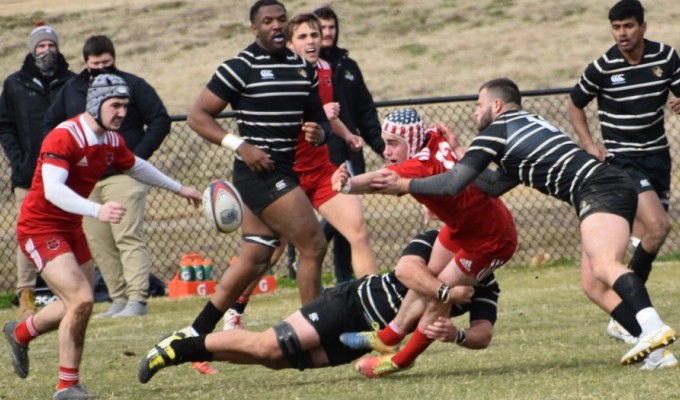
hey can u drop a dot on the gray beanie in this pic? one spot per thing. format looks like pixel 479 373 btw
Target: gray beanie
pixel 39 34
pixel 104 87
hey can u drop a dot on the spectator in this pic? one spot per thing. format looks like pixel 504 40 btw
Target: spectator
pixel 26 95
pixel 120 250
pixel 357 112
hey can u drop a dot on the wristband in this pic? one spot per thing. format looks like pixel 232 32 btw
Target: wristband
pixel 347 187
pixel 443 293
pixel 231 142
pixel 460 338
pixel 323 138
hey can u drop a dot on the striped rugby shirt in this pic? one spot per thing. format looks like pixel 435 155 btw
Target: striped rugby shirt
pixel 631 98
pixel 271 95
pixel 532 152
pixel 381 296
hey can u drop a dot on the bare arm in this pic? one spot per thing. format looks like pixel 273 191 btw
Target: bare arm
pixel 580 124
pixel 202 120
pixel 477 336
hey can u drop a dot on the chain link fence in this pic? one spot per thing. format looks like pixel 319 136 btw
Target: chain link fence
pixel 173 228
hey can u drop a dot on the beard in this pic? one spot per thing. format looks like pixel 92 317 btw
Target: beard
pixel 484 120
pixel 46 62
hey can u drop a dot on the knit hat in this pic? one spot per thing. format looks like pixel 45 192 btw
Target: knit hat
pixel 406 124
pixel 102 88
pixel 39 34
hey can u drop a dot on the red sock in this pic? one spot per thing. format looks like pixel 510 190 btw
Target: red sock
pixel 391 335
pixel 68 377
pixel 414 347
pixel 243 299
pixel 25 331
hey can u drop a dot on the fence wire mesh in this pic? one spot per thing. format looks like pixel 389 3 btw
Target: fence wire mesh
pixel 173 228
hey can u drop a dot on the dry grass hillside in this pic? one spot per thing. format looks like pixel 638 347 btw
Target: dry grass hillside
pixel 406 48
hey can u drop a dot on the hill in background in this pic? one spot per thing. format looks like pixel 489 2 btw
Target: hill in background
pixel 406 49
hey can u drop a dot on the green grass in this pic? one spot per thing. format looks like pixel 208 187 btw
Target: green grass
pixel 549 343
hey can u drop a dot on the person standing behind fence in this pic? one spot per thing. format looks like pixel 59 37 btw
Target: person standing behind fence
pixel 631 82
pixel 529 150
pixel 120 250
pixel 274 94
pixel 357 112
pixel 72 158
pixel 26 95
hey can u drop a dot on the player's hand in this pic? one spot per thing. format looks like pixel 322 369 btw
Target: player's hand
pixel 332 110
pixel 191 194
pixel 340 178
pixel 314 134
pixel 355 142
pixel 596 151
pixel 111 212
pixel 448 134
pixel 256 159
pixel 674 104
pixel 442 329
pixel 460 295
pixel 389 182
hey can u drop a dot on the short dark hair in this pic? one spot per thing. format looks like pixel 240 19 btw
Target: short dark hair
pixel 263 3
pixel 98 45
pixel 296 21
pixel 626 9
pixel 505 89
pixel 326 12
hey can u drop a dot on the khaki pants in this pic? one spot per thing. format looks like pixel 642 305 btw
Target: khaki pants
pixel 120 250
pixel 25 267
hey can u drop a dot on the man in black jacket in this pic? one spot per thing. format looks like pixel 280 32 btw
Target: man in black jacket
pixel 120 250
pixel 26 95
pixel 357 112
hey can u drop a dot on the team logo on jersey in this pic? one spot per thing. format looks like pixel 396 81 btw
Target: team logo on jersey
pixel 328 81
pixel 313 317
pixel 302 72
pixel 645 183
pixel 467 264
pixel 109 158
pixel 657 71
pixel 618 79
pixel 584 207
pixel 267 74
pixel 52 244
pixel 349 76
pixel 82 162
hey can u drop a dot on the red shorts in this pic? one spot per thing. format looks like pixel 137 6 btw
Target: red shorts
pixel 42 249
pixel 480 263
pixel 317 184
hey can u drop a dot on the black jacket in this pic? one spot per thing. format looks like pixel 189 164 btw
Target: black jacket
pixel 145 110
pixel 357 109
pixel 26 95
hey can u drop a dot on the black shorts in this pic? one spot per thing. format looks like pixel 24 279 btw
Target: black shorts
pixel 607 190
pixel 258 190
pixel 649 172
pixel 337 311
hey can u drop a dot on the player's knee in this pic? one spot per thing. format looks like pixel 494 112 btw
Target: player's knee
pixel 290 346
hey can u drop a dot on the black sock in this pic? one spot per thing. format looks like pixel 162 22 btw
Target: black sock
pixel 240 305
pixel 632 291
pixel 641 262
pixel 190 349
pixel 207 319
pixel 626 318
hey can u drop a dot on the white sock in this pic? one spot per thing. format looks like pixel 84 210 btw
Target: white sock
pixel 649 320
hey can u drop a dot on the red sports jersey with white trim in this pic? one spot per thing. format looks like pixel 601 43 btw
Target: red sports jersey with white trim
pixel 68 147
pixel 478 222
pixel 307 156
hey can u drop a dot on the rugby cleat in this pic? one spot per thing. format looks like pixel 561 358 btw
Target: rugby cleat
pixel 367 340
pixel 647 343
pixel 233 320
pixel 162 355
pixel 666 361
pixel 74 392
pixel 618 332
pixel 378 366
pixel 18 351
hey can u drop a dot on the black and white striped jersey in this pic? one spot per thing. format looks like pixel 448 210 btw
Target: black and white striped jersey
pixel 533 152
pixel 381 296
pixel 271 95
pixel 631 98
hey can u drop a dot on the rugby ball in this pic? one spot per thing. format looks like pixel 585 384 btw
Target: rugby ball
pixel 222 206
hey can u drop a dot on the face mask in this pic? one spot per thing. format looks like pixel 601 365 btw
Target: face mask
pixel 94 72
pixel 46 62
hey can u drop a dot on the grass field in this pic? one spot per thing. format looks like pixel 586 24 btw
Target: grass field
pixel 549 343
